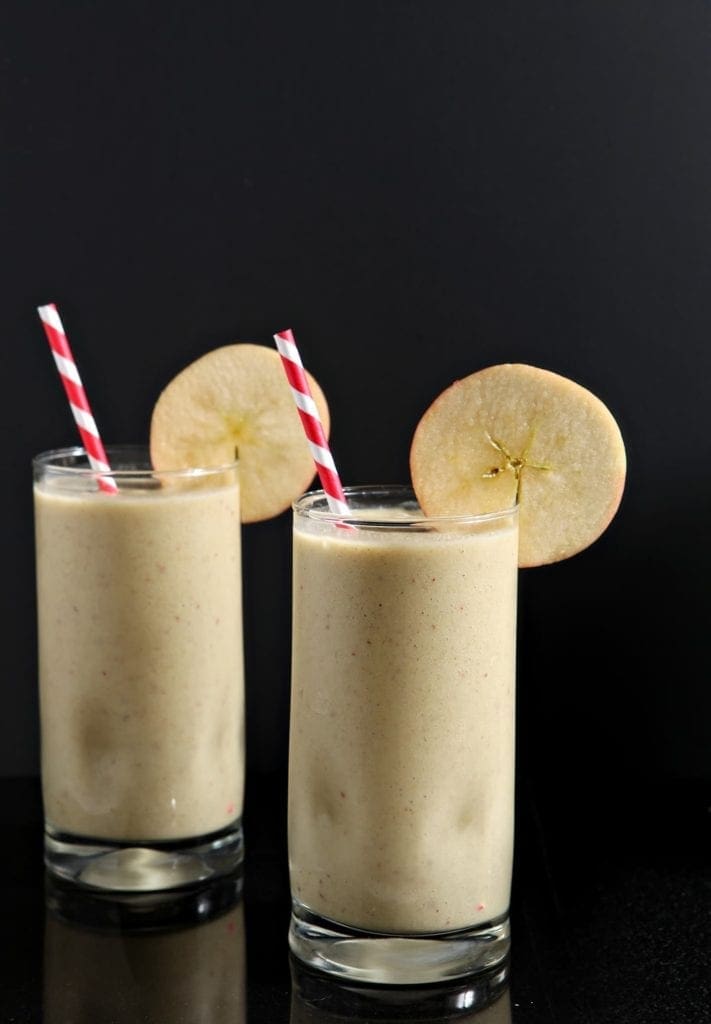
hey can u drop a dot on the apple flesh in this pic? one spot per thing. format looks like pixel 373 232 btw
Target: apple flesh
pixel 236 399
pixel 517 434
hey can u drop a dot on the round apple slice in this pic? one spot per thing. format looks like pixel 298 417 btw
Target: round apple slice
pixel 237 399
pixel 515 433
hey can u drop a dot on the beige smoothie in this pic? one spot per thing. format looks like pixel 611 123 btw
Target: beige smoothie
pixel 402 722
pixel 140 658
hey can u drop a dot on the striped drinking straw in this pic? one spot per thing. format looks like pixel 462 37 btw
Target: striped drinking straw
pixel 315 435
pixel 78 402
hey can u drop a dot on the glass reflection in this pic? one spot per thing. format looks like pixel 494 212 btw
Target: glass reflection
pixel 178 961
pixel 482 999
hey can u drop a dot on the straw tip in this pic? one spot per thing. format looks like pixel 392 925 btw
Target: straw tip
pixel 49 315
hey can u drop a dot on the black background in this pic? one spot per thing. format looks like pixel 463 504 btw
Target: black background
pixel 419 189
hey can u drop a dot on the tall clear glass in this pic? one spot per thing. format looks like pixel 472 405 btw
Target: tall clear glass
pixel 140 670
pixel 401 769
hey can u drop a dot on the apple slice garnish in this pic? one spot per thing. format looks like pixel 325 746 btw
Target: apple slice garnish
pixel 236 399
pixel 515 433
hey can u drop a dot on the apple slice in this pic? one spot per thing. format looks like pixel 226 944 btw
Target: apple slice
pixel 517 433
pixel 237 398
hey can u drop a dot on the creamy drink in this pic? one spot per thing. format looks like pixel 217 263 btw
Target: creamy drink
pixel 140 657
pixel 402 728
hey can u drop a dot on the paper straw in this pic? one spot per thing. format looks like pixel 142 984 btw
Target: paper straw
pixel 78 402
pixel 308 411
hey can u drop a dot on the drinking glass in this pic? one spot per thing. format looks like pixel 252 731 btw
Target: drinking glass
pixel 401 767
pixel 140 670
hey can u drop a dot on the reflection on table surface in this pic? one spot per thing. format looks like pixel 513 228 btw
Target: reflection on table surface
pixel 601 932
pixel 180 958
pixel 111 962
pixel 483 999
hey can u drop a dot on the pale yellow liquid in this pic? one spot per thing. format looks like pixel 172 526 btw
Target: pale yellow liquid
pixel 402 725
pixel 140 655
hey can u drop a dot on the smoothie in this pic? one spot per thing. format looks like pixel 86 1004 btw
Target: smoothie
pixel 402 721
pixel 140 656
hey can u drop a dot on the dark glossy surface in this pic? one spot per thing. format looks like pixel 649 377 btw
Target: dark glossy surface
pixel 610 922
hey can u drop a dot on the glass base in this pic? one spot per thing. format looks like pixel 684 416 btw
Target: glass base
pixel 128 913
pixel 382 959
pixel 329 1000
pixel 143 867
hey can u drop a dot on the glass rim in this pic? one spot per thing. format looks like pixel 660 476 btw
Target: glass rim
pixel 303 507
pixel 48 461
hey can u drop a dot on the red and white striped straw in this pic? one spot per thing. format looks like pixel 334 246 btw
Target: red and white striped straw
pixel 308 411
pixel 78 402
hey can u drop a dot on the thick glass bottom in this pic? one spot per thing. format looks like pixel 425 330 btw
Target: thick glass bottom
pixel 482 997
pixel 383 959
pixel 129 913
pixel 146 866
